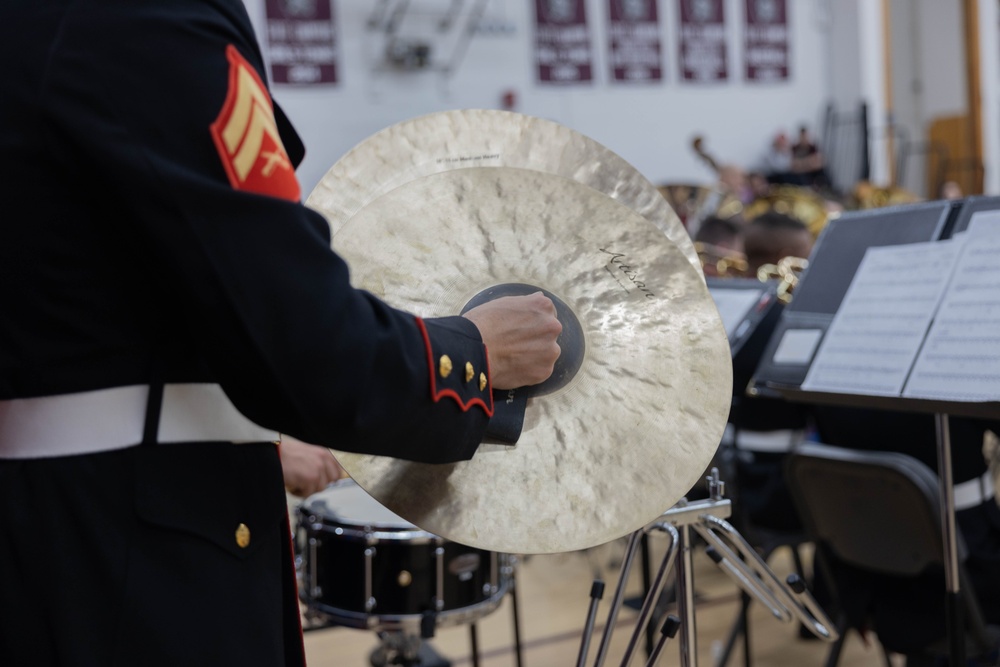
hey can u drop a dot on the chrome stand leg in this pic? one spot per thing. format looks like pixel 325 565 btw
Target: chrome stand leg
pixel 685 599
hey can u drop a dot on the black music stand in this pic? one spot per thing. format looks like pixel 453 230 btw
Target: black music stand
pixel 744 304
pixel 808 325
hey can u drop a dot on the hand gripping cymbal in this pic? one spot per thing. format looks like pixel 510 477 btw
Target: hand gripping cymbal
pixel 487 138
pixel 605 451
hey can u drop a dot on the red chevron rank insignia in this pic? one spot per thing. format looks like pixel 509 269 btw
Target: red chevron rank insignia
pixel 247 138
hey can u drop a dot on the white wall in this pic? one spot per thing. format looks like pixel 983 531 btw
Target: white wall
pixel 908 91
pixel 942 62
pixel 871 77
pixel 989 74
pixel 649 125
pixel 929 78
pixel 845 53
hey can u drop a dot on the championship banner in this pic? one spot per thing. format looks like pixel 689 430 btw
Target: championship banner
pixel 766 40
pixel 702 41
pixel 562 41
pixel 302 41
pixel 634 41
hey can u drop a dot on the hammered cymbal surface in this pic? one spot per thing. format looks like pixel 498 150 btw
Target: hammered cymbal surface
pixel 637 425
pixel 487 138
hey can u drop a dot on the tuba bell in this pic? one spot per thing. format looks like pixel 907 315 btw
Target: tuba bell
pixel 800 203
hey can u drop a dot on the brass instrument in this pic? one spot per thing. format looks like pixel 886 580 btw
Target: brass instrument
pixel 724 263
pixel 721 262
pixel 786 272
pixel 800 203
pixel 867 196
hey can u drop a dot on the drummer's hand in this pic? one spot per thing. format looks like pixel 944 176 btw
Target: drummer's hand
pixel 307 469
pixel 520 335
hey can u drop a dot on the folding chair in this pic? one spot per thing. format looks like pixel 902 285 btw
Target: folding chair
pixel 874 518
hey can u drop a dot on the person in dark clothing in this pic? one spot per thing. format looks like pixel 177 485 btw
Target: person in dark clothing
pixel 808 161
pixel 169 308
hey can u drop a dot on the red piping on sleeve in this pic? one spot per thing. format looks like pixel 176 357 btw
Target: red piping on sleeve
pixel 438 395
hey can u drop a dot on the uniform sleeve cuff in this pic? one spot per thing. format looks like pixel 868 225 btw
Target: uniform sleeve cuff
pixel 458 367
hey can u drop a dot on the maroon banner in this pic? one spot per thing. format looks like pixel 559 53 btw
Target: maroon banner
pixel 703 40
pixel 562 41
pixel 766 40
pixel 302 44
pixel 634 41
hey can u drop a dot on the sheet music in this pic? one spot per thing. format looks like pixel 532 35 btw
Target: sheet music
pixel 734 305
pixel 960 361
pixel 876 334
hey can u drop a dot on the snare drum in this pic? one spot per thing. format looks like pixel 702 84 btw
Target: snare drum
pixel 365 567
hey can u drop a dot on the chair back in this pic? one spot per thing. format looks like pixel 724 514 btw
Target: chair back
pixel 875 510
pixel 880 511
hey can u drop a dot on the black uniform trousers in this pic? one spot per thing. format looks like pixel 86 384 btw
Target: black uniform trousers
pixel 130 558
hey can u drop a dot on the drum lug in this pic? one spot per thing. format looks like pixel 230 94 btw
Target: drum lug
pixel 494 573
pixel 439 596
pixel 369 597
pixel 315 590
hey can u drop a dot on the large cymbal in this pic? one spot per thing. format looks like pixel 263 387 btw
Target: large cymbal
pixel 487 138
pixel 629 434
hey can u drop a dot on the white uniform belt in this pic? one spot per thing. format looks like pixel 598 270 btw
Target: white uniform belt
pixel 778 441
pixel 109 419
pixel 974 492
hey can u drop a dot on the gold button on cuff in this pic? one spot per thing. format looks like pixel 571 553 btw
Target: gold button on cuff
pixel 444 366
pixel 470 372
pixel 242 536
pixel 404 578
pixel 482 381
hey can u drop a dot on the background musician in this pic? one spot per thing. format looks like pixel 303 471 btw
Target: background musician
pixel 719 239
pixel 909 612
pixel 808 161
pixel 777 162
pixel 771 236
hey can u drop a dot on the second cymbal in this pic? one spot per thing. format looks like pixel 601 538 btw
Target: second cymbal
pixel 465 138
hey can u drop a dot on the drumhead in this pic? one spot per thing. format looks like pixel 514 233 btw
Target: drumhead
pixel 346 503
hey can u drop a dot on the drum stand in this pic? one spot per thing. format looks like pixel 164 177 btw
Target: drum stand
pixel 728 550
pixel 400 648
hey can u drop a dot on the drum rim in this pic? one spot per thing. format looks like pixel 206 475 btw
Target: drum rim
pixel 456 616
pixel 371 534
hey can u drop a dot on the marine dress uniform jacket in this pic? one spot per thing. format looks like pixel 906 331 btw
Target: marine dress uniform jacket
pixel 153 236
